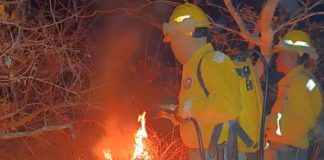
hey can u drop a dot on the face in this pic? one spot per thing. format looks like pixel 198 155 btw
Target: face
pixel 179 45
pixel 286 61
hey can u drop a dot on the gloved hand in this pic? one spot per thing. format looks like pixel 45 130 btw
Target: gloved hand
pixel 169 112
pixel 170 108
pixel 169 116
pixel 182 117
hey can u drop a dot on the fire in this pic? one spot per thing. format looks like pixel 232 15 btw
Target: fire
pixel 140 152
pixel 107 155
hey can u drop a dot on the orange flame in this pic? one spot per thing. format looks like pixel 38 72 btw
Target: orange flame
pixel 140 152
pixel 107 155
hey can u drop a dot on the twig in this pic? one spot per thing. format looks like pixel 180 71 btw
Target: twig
pixel 12 2
pixel 36 132
pixel 267 32
pixel 244 32
pixel 294 21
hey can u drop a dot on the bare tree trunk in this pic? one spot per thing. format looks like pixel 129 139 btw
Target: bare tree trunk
pixel 265 40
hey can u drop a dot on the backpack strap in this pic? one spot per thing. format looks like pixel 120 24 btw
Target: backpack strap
pixel 214 148
pixel 245 137
pixel 200 79
pixel 232 149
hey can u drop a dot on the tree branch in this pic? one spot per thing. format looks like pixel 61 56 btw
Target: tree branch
pixel 31 116
pixel 11 2
pixel 266 26
pixel 294 21
pixel 244 32
pixel 37 132
pixel 256 31
pixel 227 29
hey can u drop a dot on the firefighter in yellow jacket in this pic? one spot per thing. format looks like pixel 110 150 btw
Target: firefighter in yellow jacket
pixel 298 103
pixel 210 89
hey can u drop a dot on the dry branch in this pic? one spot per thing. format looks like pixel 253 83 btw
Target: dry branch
pixel 46 72
pixel 245 33
pixel 37 132
pixel 267 32
pixel 12 2
pixel 297 20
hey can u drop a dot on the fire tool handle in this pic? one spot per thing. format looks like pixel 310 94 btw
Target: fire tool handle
pixel 265 97
pixel 200 140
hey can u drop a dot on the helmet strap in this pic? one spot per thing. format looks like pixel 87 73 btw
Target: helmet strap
pixel 200 32
pixel 303 59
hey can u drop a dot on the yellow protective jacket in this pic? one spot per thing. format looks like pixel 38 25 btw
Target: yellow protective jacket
pixel 224 102
pixel 295 110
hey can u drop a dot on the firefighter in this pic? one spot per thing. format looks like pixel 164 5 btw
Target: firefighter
pixel 298 103
pixel 210 88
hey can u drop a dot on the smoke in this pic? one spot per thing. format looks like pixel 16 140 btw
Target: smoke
pixel 118 47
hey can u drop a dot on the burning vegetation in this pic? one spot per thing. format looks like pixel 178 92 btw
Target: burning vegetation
pixel 148 145
pixel 140 147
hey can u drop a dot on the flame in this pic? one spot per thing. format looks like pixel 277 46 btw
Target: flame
pixel 107 154
pixel 140 152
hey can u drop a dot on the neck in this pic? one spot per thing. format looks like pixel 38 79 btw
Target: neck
pixel 192 48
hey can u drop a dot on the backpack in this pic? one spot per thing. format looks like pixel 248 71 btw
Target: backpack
pixel 251 95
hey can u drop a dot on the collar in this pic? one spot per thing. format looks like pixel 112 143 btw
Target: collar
pixel 297 70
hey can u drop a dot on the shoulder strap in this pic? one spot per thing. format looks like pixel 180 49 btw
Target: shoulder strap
pixel 200 79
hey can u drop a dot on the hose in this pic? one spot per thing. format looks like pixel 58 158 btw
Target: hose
pixel 265 97
pixel 201 143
